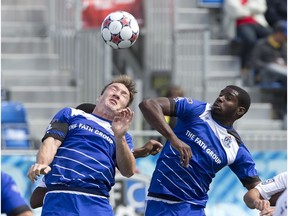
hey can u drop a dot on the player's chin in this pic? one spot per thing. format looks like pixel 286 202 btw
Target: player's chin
pixel 115 108
pixel 215 110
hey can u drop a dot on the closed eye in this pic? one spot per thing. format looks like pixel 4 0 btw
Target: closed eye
pixel 125 94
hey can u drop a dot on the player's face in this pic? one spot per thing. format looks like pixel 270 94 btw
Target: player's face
pixel 226 105
pixel 116 96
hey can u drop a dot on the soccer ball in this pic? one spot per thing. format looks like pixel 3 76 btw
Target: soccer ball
pixel 120 30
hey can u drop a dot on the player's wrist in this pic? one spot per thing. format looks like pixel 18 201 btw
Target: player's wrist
pixel 120 139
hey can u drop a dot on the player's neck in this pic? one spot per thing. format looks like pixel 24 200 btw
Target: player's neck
pixel 104 113
pixel 223 121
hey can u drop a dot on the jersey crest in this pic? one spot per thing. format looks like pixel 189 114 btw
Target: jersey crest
pixel 227 141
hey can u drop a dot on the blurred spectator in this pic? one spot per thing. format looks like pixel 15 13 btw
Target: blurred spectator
pixel 276 11
pixel 12 203
pixel 173 92
pixel 5 94
pixel 269 57
pixel 244 21
pixel 269 67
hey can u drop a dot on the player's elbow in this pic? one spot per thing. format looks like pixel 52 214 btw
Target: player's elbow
pixel 143 104
pixel 129 173
pixel 37 197
pixel 35 203
pixel 250 197
pixel 149 105
pixel 247 202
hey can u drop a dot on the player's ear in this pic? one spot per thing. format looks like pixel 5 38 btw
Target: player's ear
pixel 241 111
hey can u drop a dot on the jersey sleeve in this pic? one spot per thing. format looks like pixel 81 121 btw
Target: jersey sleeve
pixel 244 167
pixel 272 186
pixel 58 126
pixel 187 107
pixel 129 141
pixel 281 205
pixel 12 203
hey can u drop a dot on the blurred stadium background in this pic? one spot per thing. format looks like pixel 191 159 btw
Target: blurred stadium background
pixel 53 56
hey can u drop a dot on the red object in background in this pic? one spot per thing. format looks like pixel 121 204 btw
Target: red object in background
pixel 95 11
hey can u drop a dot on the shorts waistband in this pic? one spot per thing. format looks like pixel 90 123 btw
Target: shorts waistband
pixel 164 196
pixel 77 189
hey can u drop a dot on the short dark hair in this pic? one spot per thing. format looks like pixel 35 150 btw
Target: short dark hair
pixel 128 82
pixel 244 99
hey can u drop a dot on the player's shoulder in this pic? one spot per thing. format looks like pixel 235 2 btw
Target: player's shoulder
pixel 188 100
pixel 186 106
pixel 189 103
pixel 70 111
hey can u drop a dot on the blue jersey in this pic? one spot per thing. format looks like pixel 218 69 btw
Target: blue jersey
pixel 86 159
pixel 213 147
pixel 12 203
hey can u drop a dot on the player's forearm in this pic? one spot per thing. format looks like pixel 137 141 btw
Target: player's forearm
pixel 47 151
pixel 154 115
pixel 125 159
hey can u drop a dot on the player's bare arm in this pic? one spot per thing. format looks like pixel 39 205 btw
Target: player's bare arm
pixel 125 159
pixel 154 111
pixel 45 156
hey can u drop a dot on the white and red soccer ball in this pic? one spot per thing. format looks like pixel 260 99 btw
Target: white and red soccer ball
pixel 120 30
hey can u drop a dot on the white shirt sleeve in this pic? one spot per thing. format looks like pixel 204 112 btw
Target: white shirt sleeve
pixel 281 205
pixel 273 185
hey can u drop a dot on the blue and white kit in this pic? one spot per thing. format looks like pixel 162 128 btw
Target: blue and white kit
pixel 213 145
pixel 86 160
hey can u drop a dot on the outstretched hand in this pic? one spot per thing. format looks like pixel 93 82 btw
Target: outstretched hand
pixel 183 149
pixel 36 170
